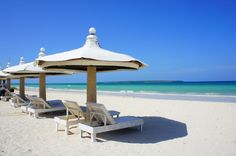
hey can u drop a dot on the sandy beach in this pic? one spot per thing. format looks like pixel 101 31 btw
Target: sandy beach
pixel 172 127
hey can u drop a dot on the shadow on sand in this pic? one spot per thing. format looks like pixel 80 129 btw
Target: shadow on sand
pixel 156 129
pixel 51 114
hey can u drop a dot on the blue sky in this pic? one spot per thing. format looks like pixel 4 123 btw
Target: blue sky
pixel 180 40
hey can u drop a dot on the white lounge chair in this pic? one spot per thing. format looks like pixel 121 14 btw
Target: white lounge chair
pixel 38 105
pixel 78 113
pixel 17 101
pixel 24 108
pixel 104 122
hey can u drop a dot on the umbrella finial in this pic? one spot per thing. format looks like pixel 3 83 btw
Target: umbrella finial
pixel 22 61
pixel 92 31
pixel 41 52
pixel 8 64
pixel 92 40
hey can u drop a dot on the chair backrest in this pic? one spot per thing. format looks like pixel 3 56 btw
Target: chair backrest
pixel 73 108
pixel 8 93
pixel 16 98
pixel 100 112
pixel 39 102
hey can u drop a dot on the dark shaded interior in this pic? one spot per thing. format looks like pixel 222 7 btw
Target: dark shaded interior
pixel 33 75
pixel 84 68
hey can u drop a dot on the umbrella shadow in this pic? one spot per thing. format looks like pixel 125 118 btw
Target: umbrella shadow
pixel 155 129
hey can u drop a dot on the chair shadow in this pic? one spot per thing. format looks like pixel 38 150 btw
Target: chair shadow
pixel 52 114
pixel 155 129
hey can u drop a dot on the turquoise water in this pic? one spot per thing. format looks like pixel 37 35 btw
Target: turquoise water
pixel 208 88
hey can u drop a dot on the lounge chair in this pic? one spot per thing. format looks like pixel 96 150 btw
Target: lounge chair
pixel 101 121
pixel 31 103
pixel 17 101
pixel 24 108
pixel 38 105
pixel 78 113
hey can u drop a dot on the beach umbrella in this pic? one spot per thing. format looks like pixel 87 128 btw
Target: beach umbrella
pixel 4 76
pixel 29 70
pixel 7 76
pixel 90 58
pixel 21 72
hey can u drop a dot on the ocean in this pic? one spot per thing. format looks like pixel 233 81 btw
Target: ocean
pixel 161 87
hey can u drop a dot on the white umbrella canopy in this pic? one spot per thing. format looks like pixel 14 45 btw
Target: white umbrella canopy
pixel 3 75
pixel 31 69
pixel 91 54
pixel 24 68
pixel 91 58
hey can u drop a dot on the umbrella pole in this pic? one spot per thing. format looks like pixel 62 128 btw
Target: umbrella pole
pixel 22 87
pixel 91 89
pixel 9 84
pixel 42 86
pixel 91 85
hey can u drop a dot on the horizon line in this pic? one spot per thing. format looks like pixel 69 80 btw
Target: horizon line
pixel 164 81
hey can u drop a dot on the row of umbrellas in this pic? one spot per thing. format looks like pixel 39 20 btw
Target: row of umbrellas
pixel 90 58
pixel 28 70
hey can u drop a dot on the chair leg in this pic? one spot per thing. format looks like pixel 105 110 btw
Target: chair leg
pixel 93 137
pixel 57 126
pixel 67 129
pixel 36 115
pixel 81 133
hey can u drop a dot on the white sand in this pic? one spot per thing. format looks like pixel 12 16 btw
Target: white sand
pixel 171 127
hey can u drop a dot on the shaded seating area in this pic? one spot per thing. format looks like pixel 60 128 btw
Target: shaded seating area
pixel 90 58
pixel 101 121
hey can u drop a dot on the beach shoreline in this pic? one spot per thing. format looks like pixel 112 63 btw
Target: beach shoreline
pixel 164 96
